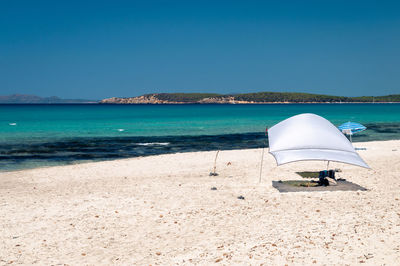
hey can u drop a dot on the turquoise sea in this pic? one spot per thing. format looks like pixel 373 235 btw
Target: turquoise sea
pixel 45 135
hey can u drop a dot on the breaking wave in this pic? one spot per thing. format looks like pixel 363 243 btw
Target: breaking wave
pixel 153 143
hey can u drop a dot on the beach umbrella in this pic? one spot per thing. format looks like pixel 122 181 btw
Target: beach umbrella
pixel 310 137
pixel 350 128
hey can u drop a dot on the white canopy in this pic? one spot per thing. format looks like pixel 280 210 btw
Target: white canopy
pixel 310 137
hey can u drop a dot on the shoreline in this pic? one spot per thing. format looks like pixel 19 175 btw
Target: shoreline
pixel 244 103
pixel 161 210
pixel 196 103
pixel 78 162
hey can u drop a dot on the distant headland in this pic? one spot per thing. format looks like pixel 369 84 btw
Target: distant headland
pixel 33 99
pixel 247 98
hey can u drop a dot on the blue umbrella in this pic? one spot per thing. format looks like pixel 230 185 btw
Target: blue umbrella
pixel 350 128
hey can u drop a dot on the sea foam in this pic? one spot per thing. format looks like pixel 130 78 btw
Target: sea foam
pixel 153 143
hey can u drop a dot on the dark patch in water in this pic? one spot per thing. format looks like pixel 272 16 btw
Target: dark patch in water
pixel 378 131
pixel 79 149
pixel 384 128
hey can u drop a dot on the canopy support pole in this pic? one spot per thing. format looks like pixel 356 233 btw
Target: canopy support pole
pixel 327 166
pixel 262 159
pixel 262 156
pixel 214 172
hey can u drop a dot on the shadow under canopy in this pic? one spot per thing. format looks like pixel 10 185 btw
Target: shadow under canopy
pixel 307 137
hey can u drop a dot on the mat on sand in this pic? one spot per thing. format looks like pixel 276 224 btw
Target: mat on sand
pixel 342 185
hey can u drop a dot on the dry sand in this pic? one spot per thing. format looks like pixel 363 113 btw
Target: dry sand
pixel 161 210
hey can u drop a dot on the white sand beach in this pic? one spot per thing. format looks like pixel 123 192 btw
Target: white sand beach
pixel 160 210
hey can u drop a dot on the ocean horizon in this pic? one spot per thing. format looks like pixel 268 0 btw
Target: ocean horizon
pixel 38 135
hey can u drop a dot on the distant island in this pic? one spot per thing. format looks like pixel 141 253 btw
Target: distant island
pixel 25 98
pixel 247 98
pixel 206 98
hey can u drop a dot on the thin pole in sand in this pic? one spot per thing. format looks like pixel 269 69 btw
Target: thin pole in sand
pixel 262 159
pixel 327 166
pixel 214 173
pixel 262 156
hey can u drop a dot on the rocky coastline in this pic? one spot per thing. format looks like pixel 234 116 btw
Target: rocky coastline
pixel 153 99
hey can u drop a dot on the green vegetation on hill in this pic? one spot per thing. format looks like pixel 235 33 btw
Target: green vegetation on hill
pixel 261 97
pixel 288 97
pixel 184 97
pixel 387 98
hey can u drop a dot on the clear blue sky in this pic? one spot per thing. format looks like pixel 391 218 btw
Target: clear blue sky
pixel 98 49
